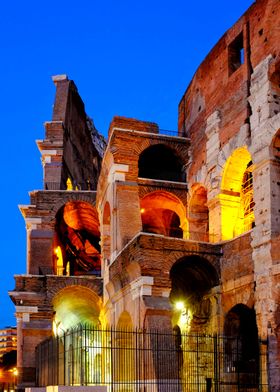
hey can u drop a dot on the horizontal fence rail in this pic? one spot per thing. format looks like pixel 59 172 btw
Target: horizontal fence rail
pixel 149 361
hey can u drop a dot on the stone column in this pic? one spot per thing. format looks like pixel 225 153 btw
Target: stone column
pixel 212 147
pixel 265 123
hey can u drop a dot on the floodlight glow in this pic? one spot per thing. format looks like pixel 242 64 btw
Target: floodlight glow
pixel 180 305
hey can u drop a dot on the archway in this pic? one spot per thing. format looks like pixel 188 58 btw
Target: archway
pixel 241 344
pixel 123 360
pixel 236 196
pixel 192 279
pixel 198 214
pixel 160 162
pixel 75 305
pixel 76 314
pixel 163 213
pixel 77 238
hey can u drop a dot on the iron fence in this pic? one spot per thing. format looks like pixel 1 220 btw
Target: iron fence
pixel 149 361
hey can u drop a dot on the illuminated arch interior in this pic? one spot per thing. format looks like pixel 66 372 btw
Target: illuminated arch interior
pixel 125 321
pixel 163 213
pixel 125 342
pixel 75 305
pixel 237 195
pixel 78 237
pixel 192 278
pixel 160 162
pixel 199 214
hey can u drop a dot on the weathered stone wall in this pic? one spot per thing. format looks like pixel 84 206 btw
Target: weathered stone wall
pixel 237 274
pixel 73 148
pixel 236 106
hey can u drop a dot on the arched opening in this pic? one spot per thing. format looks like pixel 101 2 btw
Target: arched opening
pixel 192 279
pixel 237 195
pixel 199 215
pixel 124 368
pixel 75 305
pixel 163 213
pixel 160 162
pixel 106 232
pixel 242 345
pixel 77 237
pixel 76 326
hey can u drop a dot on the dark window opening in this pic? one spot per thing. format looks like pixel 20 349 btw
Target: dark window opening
pixel 236 55
pixel 159 162
pixel 242 348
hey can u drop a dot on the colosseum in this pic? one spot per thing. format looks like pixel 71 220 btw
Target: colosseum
pixel 153 260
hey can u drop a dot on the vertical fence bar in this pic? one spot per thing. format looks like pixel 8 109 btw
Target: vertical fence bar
pixel 216 363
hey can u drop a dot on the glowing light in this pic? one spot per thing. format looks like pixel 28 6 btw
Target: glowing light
pixel 180 305
pixel 69 184
pixel 142 210
pixel 15 371
pixel 59 261
pixel 236 197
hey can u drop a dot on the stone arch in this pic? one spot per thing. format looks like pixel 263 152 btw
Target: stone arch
pixel 68 197
pixel 192 280
pixel 163 213
pixel 124 357
pixel 77 235
pixel 74 305
pixel 180 194
pixel 236 195
pixel 198 214
pixel 242 345
pixel 144 143
pixel 125 321
pixel 161 162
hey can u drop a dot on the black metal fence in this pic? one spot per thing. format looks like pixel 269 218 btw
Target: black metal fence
pixel 150 361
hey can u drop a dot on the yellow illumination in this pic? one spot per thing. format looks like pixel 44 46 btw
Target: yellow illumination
pixel 59 261
pixel 69 184
pixel 142 210
pixel 180 305
pixel 68 268
pixel 236 197
pixel 185 320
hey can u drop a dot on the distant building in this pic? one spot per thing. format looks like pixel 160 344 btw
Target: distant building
pixel 8 340
pixel 159 230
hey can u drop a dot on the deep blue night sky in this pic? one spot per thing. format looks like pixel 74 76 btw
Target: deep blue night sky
pixel 129 58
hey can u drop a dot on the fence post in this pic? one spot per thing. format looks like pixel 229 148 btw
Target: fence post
pixel 216 364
